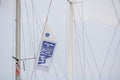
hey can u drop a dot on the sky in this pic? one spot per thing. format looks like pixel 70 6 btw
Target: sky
pixel 100 22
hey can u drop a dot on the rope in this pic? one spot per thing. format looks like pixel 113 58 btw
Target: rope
pixel 89 67
pixel 35 31
pixel 36 15
pixel 93 52
pixel 13 49
pixel 112 38
pixel 76 66
pixel 66 40
pixel 82 69
pixel 78 45
pixel 79 50
pixel 24 50
pixel 114 60
pixel 30 36
pixel 85 58
pixel 83 29
pixel 41 40
pixel 33 14
pixel 115 10
pixel 108 51
pixel 85 55
pixel 24 45
pixel 29 29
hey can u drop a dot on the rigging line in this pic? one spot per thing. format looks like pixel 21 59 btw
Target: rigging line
pixel 86 58
pixel 47 15
pixel 108 51
pixel 24 48
pixel 34 42
pixel 114 60
pixel 30 31
pixel 36 16
pixel 76 60
pixel 26 8
pixel 90 45
pixel 34 46
pixel 29 28
pixel 66 39
pixel 25 52
pixel 59 64
pixel 78 46
pixel 85 55
pixel 115 10
pixel 13 47
pixel 112 38
pixel 41 39
pixel 89 67
pixel 35 75
pixel 92 54
pixel 83 32
pixel 79 51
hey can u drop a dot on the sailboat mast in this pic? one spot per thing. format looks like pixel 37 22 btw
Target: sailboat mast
pixel 17 72
pixel 70 44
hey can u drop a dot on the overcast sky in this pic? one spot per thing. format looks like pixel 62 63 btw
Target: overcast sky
pixel 100 23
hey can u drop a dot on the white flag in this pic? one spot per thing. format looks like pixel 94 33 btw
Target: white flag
pixel 47 49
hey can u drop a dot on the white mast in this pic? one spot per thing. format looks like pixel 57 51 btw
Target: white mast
pixel 70 44
pixel 17 73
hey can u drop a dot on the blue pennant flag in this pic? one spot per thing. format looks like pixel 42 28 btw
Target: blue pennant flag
pixel 47 50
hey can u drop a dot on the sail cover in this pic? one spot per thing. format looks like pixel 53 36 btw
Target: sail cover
pixel 47 49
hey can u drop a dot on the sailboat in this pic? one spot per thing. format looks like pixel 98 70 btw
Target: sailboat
pixel 71 67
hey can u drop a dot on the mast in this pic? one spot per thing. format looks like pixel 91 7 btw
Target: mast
pixel 17 72
pixel 70 44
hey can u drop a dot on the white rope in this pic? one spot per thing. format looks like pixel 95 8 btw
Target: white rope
pixel 40 41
